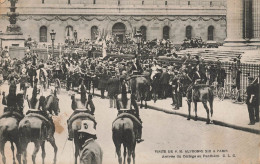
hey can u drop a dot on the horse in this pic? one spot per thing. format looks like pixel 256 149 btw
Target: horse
pixel 140 87
pixel 34 127
pixel 200 93
pixel 74 123
pixel 9 129
pixel 124 133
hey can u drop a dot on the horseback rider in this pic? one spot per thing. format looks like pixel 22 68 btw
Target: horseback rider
pixel 89 149
pixel 78 106
pixel 136 66
pixel 122 107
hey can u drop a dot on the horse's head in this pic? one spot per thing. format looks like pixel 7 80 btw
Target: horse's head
pixel 52 104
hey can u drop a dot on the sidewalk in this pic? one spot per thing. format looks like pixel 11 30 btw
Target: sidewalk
pixel 225 113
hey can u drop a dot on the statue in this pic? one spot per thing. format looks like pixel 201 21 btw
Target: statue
pixel 13 28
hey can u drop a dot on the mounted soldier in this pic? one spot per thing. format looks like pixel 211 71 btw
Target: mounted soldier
pixel 130 108
pixel 80 114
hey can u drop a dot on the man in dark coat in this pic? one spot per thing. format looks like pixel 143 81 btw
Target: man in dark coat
pixel 102 84
pixel 113 86
pixel 90 150
pixel 164 81
pixel 252 100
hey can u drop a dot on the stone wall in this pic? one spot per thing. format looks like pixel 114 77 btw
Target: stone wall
pixel 153 25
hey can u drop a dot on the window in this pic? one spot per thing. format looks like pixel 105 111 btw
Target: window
pixel 210 3
pixel 142 2
pixel 188 32
pixel 69 32
pixel 118 2
pixel 43 34
pixel 143 32
pixel 166 3
pixel 94 33
pixel 210 33
pixel 69 2
pixel 94 1
pixel 166 32
pixel 42 1
pixel 188 2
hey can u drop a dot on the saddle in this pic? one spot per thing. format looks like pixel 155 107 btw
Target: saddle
pixel 39 114
pixel 81 114
pixel 12 113
pixel 131 116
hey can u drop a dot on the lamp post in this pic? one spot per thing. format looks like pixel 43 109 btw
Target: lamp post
pixel 138 36
pixel 52 33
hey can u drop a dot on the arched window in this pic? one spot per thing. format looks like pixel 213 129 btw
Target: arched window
pixel 43 34
pixel 94 32
pixel 143 32
pixel 188 32
pixel 211 33
pixel 166 32
pixel 118 31
pixel 69 32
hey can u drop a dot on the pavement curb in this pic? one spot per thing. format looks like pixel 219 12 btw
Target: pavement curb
pixel 215 122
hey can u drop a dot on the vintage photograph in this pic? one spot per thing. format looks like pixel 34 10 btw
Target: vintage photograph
pixel 129 81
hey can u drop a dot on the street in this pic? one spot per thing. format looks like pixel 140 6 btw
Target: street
pixel 168 139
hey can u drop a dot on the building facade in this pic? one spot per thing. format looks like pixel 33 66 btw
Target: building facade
pixel 157 19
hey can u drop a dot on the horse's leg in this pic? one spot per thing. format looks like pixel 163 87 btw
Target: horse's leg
pixel 36 149
pixel 133 155
pixel 189 106
pixel 12 148
pixel 195 106
pixel 207 110
pixel 76 150
pixel 43 151
pixel 211 107
pixel 24 152
pixel 19 152
pixel 124 153
pixel 141 106
pixel 129 153
pixel 118 151
pixel 53 144
pixel 2 149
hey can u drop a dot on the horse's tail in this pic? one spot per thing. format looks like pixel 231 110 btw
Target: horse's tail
pixel 25 130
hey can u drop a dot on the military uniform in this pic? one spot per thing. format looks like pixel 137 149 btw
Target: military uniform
pixel 252 102
pixel 91 152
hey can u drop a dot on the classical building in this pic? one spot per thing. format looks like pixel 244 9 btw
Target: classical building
pixel 243 23
pixel 169 19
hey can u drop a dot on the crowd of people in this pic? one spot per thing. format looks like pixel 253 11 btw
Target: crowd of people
pixel 84 74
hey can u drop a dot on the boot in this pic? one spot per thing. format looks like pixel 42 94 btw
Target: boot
pixel 139 135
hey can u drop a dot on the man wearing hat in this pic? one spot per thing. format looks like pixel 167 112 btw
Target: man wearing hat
pixel 252 100
pixel 90 151
pixel 113 86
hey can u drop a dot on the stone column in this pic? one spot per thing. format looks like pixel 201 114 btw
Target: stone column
pixel 234 20
pixel 255 41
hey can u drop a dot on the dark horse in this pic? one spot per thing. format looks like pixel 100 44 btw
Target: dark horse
pixel 9 128
pixel 200 93
pixel 34 127
pixel 140 87
pixel 124 132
